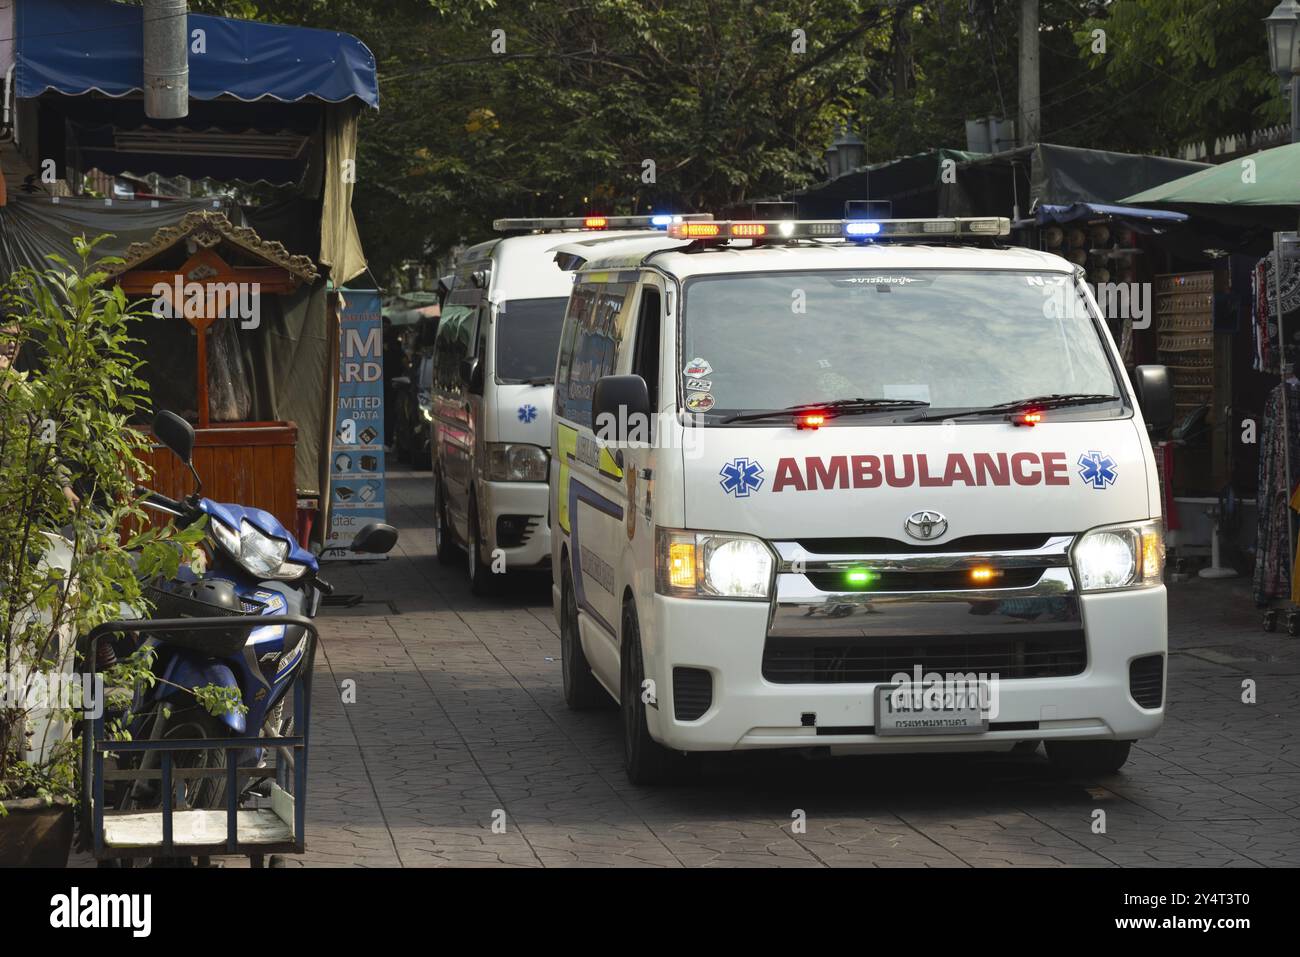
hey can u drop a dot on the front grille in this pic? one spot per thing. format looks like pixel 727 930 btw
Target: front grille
pixel 954 580
pixel 1146 680
pixel 890 546
pixel 692 693
pixel 874 660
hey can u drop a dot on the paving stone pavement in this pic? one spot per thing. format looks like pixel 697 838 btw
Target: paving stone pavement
pixel 459 722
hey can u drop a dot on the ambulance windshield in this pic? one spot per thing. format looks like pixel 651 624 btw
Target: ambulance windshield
pixel 956 339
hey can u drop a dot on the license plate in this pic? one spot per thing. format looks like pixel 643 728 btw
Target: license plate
pixel 925 711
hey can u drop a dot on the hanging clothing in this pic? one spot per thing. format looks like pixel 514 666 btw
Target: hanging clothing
pixel 1273 560
pixel 1268 355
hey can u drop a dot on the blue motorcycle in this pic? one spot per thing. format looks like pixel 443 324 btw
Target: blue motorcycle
pixel 255 567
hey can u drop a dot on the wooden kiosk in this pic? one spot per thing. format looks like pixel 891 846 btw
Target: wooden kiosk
pixel 193 268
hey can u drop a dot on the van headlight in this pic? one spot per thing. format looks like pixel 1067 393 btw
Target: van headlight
pixel 516 463
pixel 692 564
pixel 1120 556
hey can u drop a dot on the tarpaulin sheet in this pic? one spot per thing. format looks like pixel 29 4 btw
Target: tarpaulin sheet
pixel 285 359
pixel 1048 213
pixel 243 58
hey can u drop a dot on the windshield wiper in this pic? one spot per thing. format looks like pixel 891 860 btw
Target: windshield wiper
pixel 537 380
pixel 832 408
pixel 1056 400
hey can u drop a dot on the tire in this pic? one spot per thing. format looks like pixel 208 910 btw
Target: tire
pixel 443 545
pixel 645 759
pixel 196 722
pixel 1089 757
pixel 482 581
pixel 582 692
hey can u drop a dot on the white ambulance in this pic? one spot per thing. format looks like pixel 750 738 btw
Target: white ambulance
pixel 492 363
pixel 855 486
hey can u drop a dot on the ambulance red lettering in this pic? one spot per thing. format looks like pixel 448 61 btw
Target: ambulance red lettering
pixel 909 472
pixel 988 473
pixel 836 475
pixel 958 471
pixel 909 469
pixel 1054 469
pixel 1018 472
pixel 866 471
pixel 787 473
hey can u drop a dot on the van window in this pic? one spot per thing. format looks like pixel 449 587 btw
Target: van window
pixel 645 358
pixel 597 320
pixel 455 334
pixel 528 335
pixel 957 339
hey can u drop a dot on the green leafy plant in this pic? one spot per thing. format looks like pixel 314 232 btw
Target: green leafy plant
pixel 69 467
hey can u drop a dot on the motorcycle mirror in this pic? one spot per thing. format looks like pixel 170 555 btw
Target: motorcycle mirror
pixel 175 433
pixel 375 539
pixel 178 435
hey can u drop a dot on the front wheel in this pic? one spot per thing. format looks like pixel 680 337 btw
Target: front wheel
pixel 1089 757
pixel 645 759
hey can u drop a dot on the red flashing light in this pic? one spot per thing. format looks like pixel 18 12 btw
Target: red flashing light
pixel 1032 417
pixel 748 230
pixel 810 420
pixel 595 222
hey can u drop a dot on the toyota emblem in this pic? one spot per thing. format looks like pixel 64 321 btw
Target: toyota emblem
pixel 925 525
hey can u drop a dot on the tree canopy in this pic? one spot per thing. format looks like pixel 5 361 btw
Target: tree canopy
pixel 533 107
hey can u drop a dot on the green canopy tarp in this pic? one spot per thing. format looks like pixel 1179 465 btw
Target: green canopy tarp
pixel 1262 189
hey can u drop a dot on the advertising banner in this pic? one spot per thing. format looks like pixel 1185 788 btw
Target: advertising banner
pixel 357 456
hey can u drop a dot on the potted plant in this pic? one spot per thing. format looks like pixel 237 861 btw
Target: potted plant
pixel 69 464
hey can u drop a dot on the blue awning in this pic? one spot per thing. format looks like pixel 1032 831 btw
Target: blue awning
pixel 82 46
pixel 1046 213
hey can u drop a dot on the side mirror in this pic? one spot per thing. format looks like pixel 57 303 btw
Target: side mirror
pixel 1155 393
pixel 620 409
pixel 375 539
pixel 175 433
pixel 471 373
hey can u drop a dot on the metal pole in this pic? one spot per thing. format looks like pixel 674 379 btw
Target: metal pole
pixel 166 60
pixel 1295 109
pixel 1030 116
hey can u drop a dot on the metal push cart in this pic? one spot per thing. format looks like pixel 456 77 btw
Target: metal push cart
pixel 170 833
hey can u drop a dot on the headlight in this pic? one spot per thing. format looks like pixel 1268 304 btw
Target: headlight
pixel 711 565
pixel 516 463
pixel 258 553
pixel 1121 556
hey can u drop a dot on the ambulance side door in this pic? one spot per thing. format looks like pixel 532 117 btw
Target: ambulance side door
pixel 590 495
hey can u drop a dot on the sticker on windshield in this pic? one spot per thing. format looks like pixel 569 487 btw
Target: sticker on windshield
pixel 699 401
pixel 697 368
pixel 700 385
pixel 919 392
pixel 883 280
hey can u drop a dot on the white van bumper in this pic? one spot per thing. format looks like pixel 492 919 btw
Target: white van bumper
pixel 746 710
pixel 515 520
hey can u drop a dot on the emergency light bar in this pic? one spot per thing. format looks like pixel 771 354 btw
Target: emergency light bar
pixel 855 229
pixel 596 221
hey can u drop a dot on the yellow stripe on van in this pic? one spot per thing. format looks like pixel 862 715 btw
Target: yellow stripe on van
pixel 566 450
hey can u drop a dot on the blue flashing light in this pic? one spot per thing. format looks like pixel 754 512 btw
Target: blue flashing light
pixel 661 221
pixel 861 228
